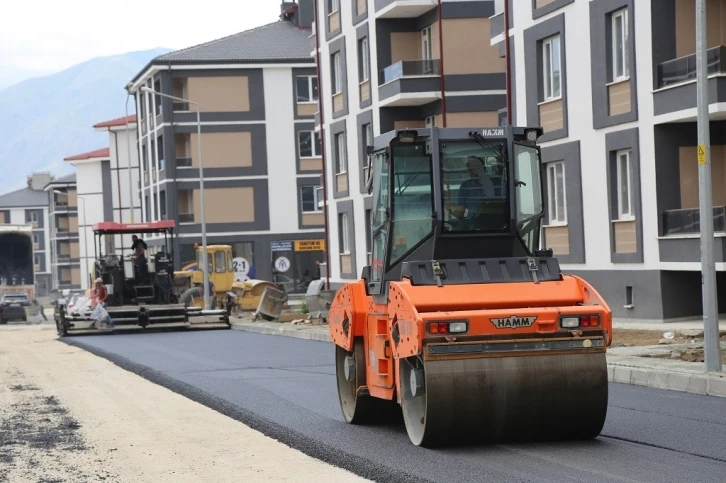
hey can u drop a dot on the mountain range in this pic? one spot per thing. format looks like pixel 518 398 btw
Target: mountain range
pixel 48 118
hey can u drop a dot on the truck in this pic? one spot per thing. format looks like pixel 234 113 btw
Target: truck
pixel 17 278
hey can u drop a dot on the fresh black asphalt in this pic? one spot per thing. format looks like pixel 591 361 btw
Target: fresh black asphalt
pixel 285 388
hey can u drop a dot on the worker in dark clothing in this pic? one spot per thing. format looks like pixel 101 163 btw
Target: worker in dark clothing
pixel 139 247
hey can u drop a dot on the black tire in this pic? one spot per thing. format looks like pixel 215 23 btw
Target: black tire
pixel 195 292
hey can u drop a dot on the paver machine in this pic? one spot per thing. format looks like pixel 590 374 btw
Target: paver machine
pixel 461 322
pixel 141 294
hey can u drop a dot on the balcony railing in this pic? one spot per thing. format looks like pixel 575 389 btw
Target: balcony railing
pixel 683 69
pixel 688 221
pixel 496 25
pixel 183 162
pixel 186 218
pixel 410 68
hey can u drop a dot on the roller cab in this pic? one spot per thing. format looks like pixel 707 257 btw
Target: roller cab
pixel 461 321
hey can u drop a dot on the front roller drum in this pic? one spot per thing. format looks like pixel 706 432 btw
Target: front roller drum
pixel 505 399
pixel 357 405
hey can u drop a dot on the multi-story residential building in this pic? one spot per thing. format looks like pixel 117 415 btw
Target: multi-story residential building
pixel 256 91
pixel 65 255
pixel 29 206
pixel 94 190
pixel 392 64
pixel 612 82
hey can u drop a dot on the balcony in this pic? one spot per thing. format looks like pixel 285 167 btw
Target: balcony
pixel 683 69
pixel 185 162
pixel 181 106
pixel 688 221
pixel 410 83
pixel 186 217
pixel 403 8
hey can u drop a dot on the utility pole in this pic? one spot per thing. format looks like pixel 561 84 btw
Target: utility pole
pixel 712 346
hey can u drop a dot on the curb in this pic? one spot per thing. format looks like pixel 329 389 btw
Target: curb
pixel 620 368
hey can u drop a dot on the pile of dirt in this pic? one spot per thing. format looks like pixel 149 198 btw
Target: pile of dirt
pixel 631 338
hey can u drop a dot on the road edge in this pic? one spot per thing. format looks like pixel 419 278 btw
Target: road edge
pixel 620 369
pixel 309 446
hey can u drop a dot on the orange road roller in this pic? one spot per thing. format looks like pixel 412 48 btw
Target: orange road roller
pixel 461 320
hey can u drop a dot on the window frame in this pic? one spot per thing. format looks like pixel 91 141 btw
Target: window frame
pixel 336 65
pixel 621 215
pixel 548 77
pixel 312 97
pixel 344 239
pixel 316 147
pixel 317 190
pixel 364 72
pixel 367 133
pixel 625 75
pixel 341 159
pixel 554 217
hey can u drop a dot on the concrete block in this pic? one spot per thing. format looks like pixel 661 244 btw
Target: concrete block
pixel 658 380
pixel 640 377
pixel 697 385
pixel 717 387
pixel 678 382
pixel 621 374
pixel 611 370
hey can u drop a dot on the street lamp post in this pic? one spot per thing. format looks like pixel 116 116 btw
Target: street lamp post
pixel 85 219
pixel 205 262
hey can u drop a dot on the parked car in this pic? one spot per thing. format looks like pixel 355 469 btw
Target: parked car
pixel 13 307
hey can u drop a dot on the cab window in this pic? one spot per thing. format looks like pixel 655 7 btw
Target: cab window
pixel 411 199
pixel 200 256
pixel 230 262
pixel 219 262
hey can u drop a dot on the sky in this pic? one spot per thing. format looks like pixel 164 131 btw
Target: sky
pixel 72 31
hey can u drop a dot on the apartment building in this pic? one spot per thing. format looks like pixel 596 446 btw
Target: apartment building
pixel 65 255
pixel 29 206
pixel 612 82
pixel 93 193
pixel 393 64
pixel 256 91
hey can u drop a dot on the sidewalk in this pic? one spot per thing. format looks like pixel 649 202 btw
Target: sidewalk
pixel 625 364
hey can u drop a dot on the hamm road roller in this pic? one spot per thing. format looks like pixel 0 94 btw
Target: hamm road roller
pixel 461 321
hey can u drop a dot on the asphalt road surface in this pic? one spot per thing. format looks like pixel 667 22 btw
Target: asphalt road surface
pixel 285 388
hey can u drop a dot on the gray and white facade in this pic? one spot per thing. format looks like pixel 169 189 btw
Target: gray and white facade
pixel 394 64
pixel 612 82
pixel 257 92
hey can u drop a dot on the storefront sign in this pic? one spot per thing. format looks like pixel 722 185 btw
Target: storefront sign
pixel 282 264
pixel 241 269
pixel 281 246
pixel 309 245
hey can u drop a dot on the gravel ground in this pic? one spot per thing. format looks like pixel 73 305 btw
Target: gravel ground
pixel 69 416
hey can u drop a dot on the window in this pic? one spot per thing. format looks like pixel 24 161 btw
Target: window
pixel 528 194
pixel 309 199
pixel 625 206
pixel 337 74
pixel 230 262
pixel 34 216
pixel 220 265
pixel 411 200
pixel 306 148
pixel 363 70
pixel 36 259
pixel 162 204
pixel 36 238
pixel 160 152
pixel 334 5
pixel 343 233
pixel 551 65
pixel 431 121
pixel 556 193
pixel 367 140
pixel 307 88
pixel 426 52
pixel 368 235
pixel 619 33
pixel 342 158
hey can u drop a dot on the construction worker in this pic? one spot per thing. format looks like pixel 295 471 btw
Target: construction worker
pixel 474 190
pixel 100 295
pixel 139 247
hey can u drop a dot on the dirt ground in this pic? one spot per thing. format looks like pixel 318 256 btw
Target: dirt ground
pixel 69 416
pixel 630 338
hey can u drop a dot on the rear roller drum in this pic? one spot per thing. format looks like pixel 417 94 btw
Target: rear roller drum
pixel 504 399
